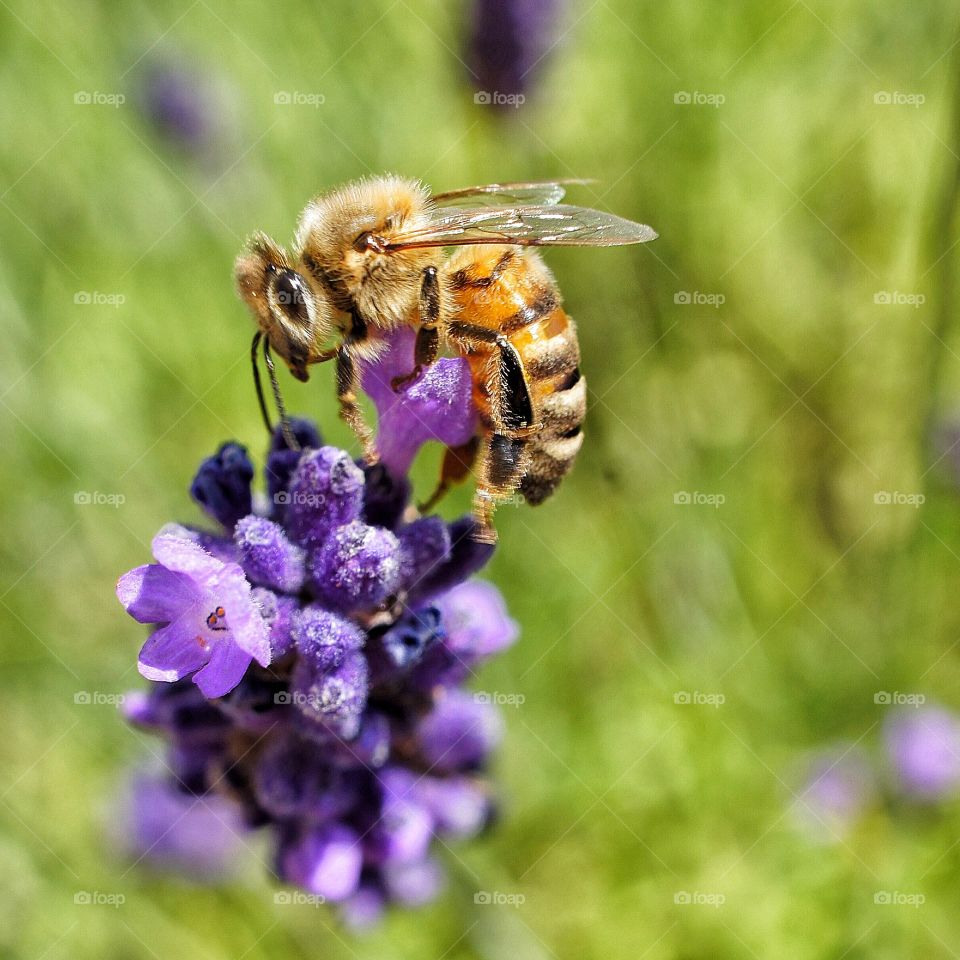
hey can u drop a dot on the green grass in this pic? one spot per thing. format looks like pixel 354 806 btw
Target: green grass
pixel 797 399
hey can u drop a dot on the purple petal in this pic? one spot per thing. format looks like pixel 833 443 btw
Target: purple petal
pixel 924 747
pixel 172 652
pixel 475 621
pixel 365 908
pixel 424 546
pixel 182 555
pixel 248 630
pixel 459 732
pixel 225 669
pixel 467 556
pixel 153 594
pixel 278 613
pixel 439 406
pixel 327 862
pixel 414 884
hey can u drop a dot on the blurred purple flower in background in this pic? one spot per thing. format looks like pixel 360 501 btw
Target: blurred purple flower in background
pixel 508 43
pixel 838 785
pixel 923 745
pixel 337 720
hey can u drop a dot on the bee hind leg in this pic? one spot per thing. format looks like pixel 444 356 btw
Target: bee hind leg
pixel 503 462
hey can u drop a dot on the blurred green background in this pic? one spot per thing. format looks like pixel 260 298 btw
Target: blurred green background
pixel 789 345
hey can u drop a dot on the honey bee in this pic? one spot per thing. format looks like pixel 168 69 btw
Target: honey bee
pixel 368 259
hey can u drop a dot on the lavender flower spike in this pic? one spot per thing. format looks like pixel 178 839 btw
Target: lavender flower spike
pixel 211 626
pixel 328 643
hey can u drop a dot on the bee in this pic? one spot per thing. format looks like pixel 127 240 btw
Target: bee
pixel 368 259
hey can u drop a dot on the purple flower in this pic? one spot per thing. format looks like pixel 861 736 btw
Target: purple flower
pixel 212 628
pixel 439 406
pixel 924 749
pixel 509 40
pixel 838 785
pixel 327 643
pixel 200 838
pixel 222 484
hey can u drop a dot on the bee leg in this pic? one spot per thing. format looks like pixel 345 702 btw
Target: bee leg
pixel 457 464
pixel 350 412
pixel 428 334
pixel 503 460
pixel 513 405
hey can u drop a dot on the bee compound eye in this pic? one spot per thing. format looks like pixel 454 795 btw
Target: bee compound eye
pixel 290 294
pixel 363 242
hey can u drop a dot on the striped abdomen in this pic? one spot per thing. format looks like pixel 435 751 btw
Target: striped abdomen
pixel 510 291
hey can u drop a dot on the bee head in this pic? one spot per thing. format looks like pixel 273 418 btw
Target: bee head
pixel 287 310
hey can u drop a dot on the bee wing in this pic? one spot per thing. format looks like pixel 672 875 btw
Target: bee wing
pixel 509 194
pixel 553 225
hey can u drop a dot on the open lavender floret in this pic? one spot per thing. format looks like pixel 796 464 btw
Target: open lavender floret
pixel 310 655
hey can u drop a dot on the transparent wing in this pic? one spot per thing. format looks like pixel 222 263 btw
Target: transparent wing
pixel 536 225
pixel 508 194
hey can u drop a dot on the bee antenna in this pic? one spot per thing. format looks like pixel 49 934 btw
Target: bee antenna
pixel 288 434
pixel 258 383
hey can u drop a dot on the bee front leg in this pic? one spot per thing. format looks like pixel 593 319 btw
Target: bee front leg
pixel 350 412
pixel 427 346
